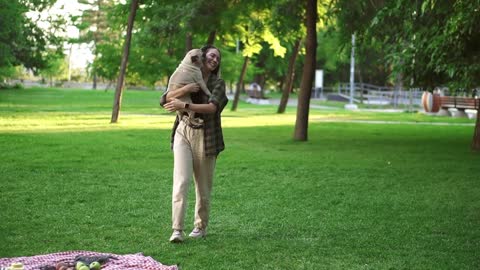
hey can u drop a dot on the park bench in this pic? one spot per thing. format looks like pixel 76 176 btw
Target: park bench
pixel 254 93
pixel 459 103
pixel 255 96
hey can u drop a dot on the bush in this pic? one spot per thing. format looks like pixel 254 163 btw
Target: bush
pixel 16 85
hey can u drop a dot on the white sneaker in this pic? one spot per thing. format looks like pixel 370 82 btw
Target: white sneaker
pixel 198 233
pixel 177 236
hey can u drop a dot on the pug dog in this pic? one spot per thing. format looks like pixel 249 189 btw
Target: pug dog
pixel 188 71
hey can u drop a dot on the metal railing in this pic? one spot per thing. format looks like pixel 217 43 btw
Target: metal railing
pixel 372 94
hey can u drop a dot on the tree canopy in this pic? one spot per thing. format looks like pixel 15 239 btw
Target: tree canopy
pixel 22 40
pixel 429 42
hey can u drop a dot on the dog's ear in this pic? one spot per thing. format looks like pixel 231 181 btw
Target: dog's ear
pixel 194 58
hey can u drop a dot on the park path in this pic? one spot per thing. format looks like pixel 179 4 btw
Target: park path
pixel 383 122
pixel 293 103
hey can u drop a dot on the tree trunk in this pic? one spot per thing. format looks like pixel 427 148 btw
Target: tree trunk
pixel 108 85
pixel 410 101
pixel 70 62
pixel 94 86
pixel 126 50
pixel 290 75
pixel 281 82
pixel 211 37
pixel 301 123
pixel 239 84
pixel 398 88
pixel 96 41
pixel 360 80
pixel 476 134
pixel 188 42
pixel 259 78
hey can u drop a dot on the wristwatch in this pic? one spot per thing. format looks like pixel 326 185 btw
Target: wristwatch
pixel 186 105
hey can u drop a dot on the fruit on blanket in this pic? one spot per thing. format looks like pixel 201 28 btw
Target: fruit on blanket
pixel 16 266
pixel 95 266
pixel 61 266
pixel 84 268
pixel 79 265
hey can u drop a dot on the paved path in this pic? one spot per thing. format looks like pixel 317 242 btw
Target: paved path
pixel 390 122
pixel 294 102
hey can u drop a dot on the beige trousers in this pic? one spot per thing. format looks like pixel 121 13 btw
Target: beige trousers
pixel 190 159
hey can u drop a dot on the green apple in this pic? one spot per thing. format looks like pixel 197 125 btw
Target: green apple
pixel 84 267
pixel 16 265
pixel 79 264
pixel 95 266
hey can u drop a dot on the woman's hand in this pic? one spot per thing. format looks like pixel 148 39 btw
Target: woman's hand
pixel 182 91
pixel 174 105
pixel 192 87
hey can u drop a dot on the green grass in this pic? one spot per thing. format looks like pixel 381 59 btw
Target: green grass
pixel 356 195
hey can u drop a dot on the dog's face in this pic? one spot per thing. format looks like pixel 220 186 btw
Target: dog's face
pixel 194 57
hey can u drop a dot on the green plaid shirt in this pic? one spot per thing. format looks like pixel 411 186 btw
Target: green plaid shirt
pixel 213 135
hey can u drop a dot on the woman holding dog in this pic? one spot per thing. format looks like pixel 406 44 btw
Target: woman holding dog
pixel 196 143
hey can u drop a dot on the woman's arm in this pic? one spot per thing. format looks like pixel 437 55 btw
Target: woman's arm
pixel 176 105
pixel 182 91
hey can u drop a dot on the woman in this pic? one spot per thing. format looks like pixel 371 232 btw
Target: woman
pixel 196 143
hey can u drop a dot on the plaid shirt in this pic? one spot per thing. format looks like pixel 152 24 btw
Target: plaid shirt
pixel 213 135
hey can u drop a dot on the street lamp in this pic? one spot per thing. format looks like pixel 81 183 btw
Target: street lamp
pixel 351 105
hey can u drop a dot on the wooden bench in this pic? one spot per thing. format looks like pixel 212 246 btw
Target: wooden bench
pixel 254 93
pixel 459 103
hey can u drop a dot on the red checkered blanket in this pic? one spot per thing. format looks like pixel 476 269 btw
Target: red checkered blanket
pixel 117 262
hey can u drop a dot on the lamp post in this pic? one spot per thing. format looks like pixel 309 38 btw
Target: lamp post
pixel 351 105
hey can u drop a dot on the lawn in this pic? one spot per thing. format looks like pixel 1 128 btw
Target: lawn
pixel 368 190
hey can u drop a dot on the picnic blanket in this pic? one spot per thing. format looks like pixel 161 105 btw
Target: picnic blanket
pixel 117 262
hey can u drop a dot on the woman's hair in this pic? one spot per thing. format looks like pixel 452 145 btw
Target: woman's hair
pixel 205 49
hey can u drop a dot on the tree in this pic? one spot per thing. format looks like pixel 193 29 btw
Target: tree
pixel 163 32
pixel 240 83
pixel 301 123
pixel 286 22
pixel 253 32
pixel 119 89
pixel 476 133
pixel 106 64
pixel 94 28
pixel 288 86
pixel 428 43
pixel 55 68
pixel 269 70
pixel 22 41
